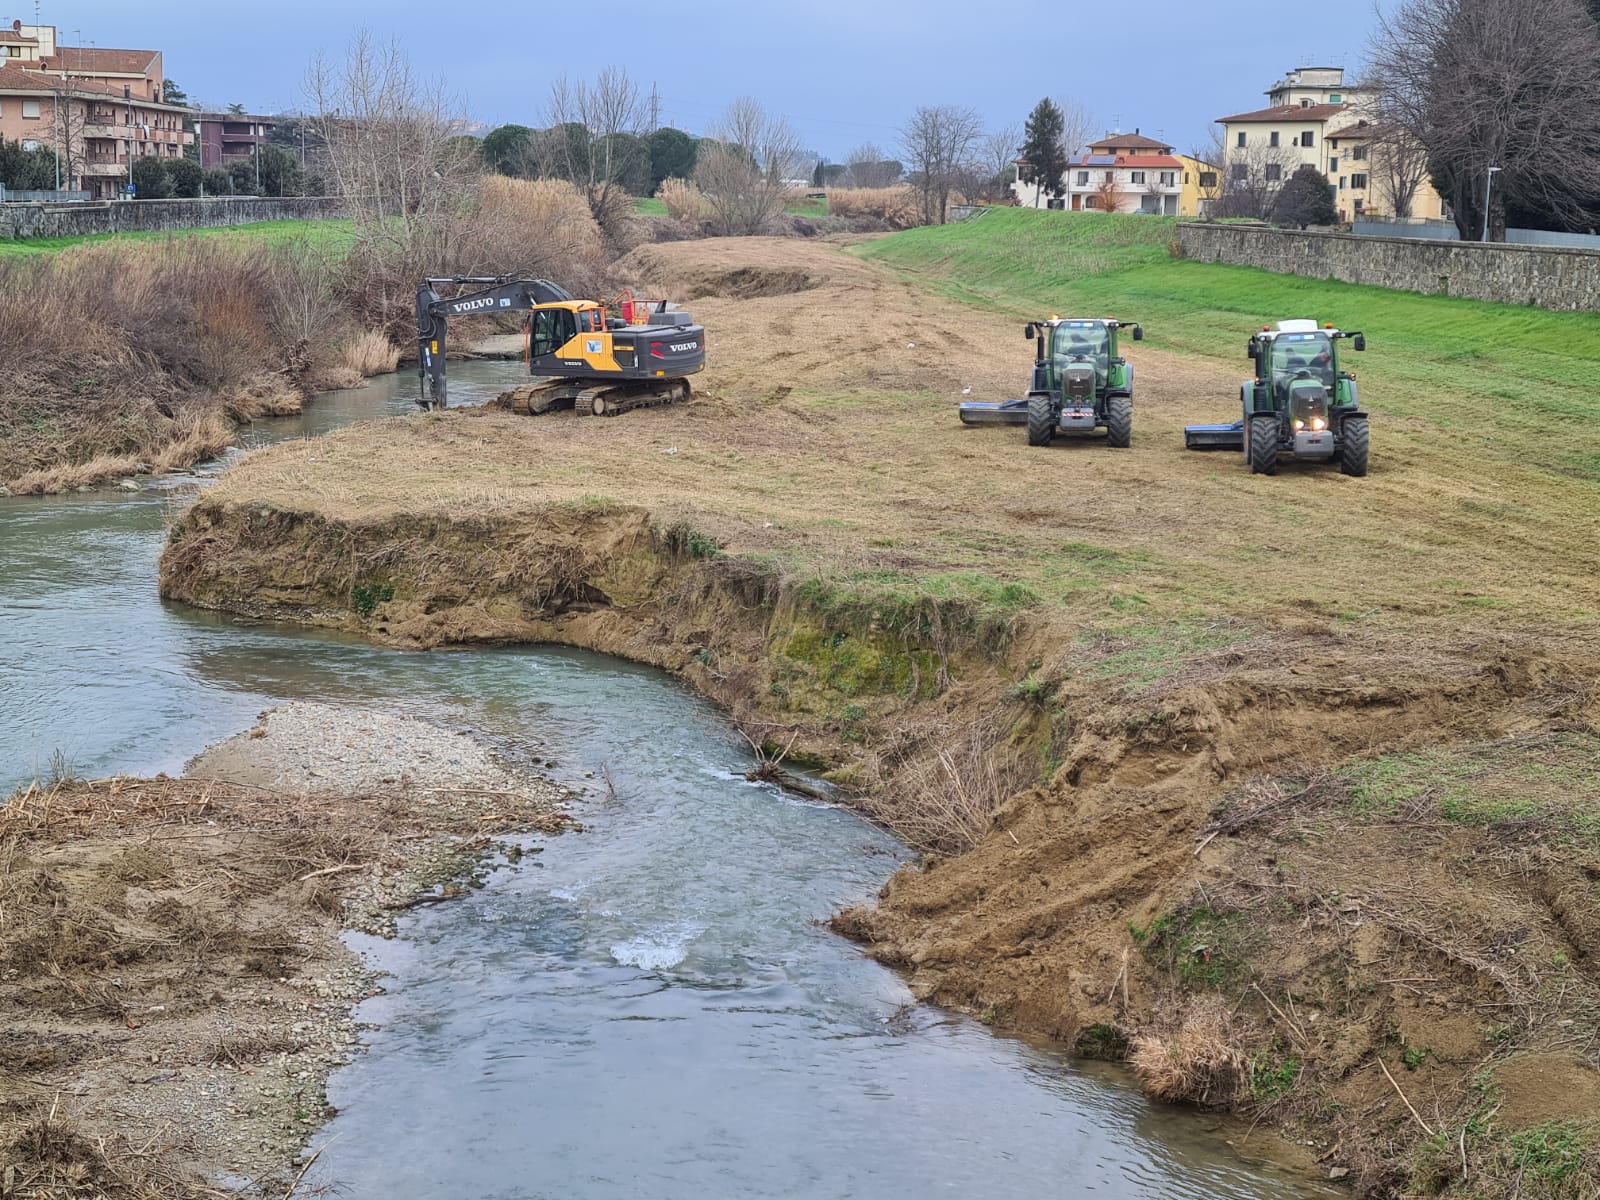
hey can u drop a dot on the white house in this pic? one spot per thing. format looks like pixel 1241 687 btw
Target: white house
pixel 1122 172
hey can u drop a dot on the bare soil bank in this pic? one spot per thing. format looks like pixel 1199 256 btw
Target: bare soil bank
pixel 173 985
pixel 1308 835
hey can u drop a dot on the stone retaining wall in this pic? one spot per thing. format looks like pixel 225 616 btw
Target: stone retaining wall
pixel 1563 280
pixel 123 216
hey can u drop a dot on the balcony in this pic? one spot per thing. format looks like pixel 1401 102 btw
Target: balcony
pixel 105 169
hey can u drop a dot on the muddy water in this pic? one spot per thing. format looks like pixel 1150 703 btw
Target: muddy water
pixel 648 1008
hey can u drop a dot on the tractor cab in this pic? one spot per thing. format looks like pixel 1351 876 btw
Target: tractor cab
pixel 1079 344
pixel 1299 405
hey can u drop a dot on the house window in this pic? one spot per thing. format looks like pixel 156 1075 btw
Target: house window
pixel 1241 139
pixel 1359 153
pixel 1304 103
pixel 1055 203
pixel 1333 97
pixel 1138 177
pixel 1333 163
pixel 1308 138
pixel 1090 201
pixel 1083 179
pixel 1358 181
pixel 30 109
pixel 1168 178
pixel 1360 206
pixel 1111 176
pixel 1208 179
pixel 1341 183
pixel 1274 139
pixel 1274 172
pixel 1241 172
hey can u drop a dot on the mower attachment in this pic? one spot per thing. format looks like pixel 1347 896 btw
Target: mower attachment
pixel 1214 437
pixel 1006 412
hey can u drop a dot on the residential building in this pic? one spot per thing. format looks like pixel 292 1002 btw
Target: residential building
pixel 1122 172
pixel 1314 116
pixel 227 138
pixel 1200 181
pixel 98 109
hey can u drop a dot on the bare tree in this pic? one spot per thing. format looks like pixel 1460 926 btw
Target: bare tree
pixel 1509 84
pixel 1209 158
pixel 1398 164
pixel 744 173
pixel 1108 196
pixel 1076 127
pixel 997 160
pixel 869 167
pixel 1250 179
pixel 596 138
pixel 938 142
pixel 391 141
pixel 70 116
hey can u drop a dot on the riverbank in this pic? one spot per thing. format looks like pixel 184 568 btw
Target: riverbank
pixel 1133 705
pixel 174 981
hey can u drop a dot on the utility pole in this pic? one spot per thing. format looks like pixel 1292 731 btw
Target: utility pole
pixel 127 95
pixel 655 108
pixel 1488 191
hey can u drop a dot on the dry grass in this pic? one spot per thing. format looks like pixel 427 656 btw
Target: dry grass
pixel 48 1158
pixel 1201 1060
pixel 945 801
pixel 683 200
pixel 896 207
pixel 369 354
pixel 50 481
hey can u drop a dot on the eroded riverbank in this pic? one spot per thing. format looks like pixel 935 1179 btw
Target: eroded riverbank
pixel 1141 789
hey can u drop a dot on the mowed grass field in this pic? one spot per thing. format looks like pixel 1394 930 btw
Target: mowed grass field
pixel 332 233
pixel 1512 382
pixel 823 440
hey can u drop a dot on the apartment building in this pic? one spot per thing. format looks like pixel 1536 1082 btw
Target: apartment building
pixel 98 109
pixel 228 137
pixel 1313 116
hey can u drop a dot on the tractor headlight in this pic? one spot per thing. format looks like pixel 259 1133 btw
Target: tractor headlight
pixel 1299 424
pixel 1318 423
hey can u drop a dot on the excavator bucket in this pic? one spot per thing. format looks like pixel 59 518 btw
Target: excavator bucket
pixel 1006 412
pixel 1214 437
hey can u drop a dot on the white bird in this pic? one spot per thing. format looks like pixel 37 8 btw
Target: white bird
pixel 673 450
pixel 911 345
pixel 966 391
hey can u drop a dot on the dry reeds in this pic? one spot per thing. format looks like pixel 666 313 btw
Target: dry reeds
pixel 1199 1061
pixel 368 354
pixel 683 200
pixel 946 801
pixel 896 207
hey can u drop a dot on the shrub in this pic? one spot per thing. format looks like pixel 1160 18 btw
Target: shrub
pixel 896 207
pixel 1199 1061
pixel 683 200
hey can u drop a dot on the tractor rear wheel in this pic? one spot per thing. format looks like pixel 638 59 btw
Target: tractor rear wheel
pixel 1353 446
pixel 1262 441
pixel 1119 421
pixel 1041 420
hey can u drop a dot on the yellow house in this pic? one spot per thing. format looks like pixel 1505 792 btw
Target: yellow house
pixel 1199 180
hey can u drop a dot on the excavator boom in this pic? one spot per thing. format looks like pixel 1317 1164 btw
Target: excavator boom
pixel 434 313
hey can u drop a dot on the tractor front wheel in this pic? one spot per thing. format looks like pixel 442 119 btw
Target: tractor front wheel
pixel 1262 445
pixel 1353 446
pixel 1119 421
pixel 1041 420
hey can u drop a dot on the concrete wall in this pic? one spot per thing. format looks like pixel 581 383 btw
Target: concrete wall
pixel 123 216
pixel 1562 280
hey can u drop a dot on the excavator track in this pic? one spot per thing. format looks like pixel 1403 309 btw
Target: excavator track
pixel 614 401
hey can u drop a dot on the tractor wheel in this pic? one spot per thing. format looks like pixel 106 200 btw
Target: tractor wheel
pixel 1262 442
pixel 1041 420
pixel 1119 421
pixel 1353 446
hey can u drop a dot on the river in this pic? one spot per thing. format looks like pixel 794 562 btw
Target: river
pixel 649 1007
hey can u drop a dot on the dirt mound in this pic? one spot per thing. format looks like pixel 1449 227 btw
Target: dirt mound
pixel 751 283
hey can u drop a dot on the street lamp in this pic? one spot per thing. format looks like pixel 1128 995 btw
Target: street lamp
pixel 1488 190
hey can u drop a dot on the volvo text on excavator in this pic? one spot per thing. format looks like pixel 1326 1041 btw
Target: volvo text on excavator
pixel 585 359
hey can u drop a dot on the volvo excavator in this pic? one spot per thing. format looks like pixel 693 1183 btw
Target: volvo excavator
pixel 587 360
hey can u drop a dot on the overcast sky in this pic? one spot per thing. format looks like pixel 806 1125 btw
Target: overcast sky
pixel 843 71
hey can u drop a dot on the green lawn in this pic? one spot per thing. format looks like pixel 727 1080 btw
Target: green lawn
pixel 1506 373
pixel 808 208
pixel 273 233
pixel 649 206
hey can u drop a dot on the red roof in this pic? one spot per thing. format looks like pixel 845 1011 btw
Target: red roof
pixel 14 78
pixel 92 59
pixel 1164 162
pixel 1133 141
pixel 1285 112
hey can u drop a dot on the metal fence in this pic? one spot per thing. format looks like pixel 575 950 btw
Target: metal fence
pixel 15 196
pixel 1445 231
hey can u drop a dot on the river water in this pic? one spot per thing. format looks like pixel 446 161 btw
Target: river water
pixel 646 1008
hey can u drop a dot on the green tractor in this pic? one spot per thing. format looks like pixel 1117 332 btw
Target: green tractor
pixel 1080 384
pixel 1300 403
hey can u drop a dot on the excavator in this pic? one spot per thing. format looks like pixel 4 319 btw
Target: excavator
pixel 588 361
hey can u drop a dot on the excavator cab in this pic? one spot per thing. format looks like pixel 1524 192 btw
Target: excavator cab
pixel 584 359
